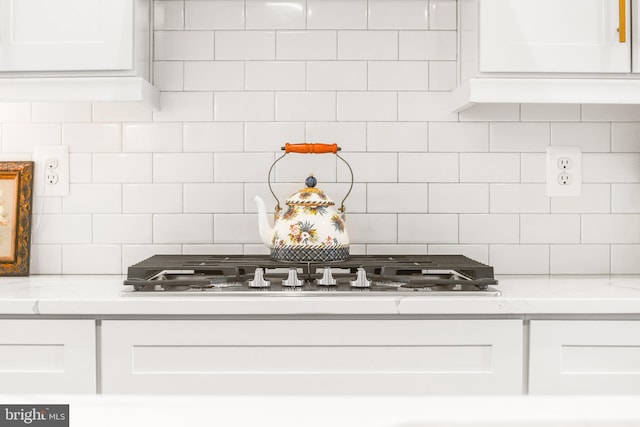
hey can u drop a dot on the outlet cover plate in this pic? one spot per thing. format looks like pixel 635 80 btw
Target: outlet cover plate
pixel 555 185
pixel 43 155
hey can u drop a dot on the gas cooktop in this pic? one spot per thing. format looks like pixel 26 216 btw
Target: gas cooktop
pixel 235 275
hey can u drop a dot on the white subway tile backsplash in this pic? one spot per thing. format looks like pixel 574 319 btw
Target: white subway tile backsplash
pixel 271 136
pixel 112 112
pixel 595 198
pixel 624 259
pixel 306 45
pixel 428 167
pixel 519 137
pixel 15 112
pixel 427 45
pixel 398 75
pixel 296 168
pixel 425 107
pixel 185 107
pixel 63 229
pixel 614 228
pixel 592 137
pixel 213 137
pixel 372 228
pixel 183 228
pixel 21 138
pixel 241 167
pixel 245 45
pixel 396 198
pixel 427 228
pixel 168 75
pixel 519 259
pixel 336 75
pixel 580 259
pixel 550 112
pixel 397 136
pixel 221 249
pixel 625 198
pixel 280 15
pixel 336 14
pixel 533 167
pixel 183 45
pixel 489 167
pixel 442 14
pixel 489 228
pixel 213 198
pixel 122 167
pixel 92 137
pixel 46 259
pixel 213 75
pixel 491 113
pixel 395 249
pixel 367 106
pixel 393 15
pixel 93 198
pixel 611 167
pixel 523 198
pixel 168 15
pixel 230 228
pixel 458 198
pixel 244 106
pixel 380 45
pixel 275 75
pixel 88 259
pixel 610 113
pixel 152 198
pixel 125 229
pixel 371 167
pixel 183 167
pixel 545 228
pixel 152 137
pixel 624 137
pixel 455 137
pixel 305 106
pixel 442 75
pixel 214 15
pixel 351 136
pixel 80 168
pixel 61 112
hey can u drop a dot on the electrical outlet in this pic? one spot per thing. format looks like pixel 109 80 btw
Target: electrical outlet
pixel 51 175
pixel 564 171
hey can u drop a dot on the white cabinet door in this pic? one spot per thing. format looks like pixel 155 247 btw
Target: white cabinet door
pixel 47 356
pixel 312 357
pixel 66 35
pixel 578 36
pixel 584 357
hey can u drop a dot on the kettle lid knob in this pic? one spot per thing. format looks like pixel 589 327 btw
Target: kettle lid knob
pixel 310 181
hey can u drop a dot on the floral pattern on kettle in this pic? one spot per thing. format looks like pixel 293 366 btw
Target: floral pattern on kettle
pixel 338 223
pixel 303 232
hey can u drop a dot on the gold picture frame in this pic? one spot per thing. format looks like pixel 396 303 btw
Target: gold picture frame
pixel 16 194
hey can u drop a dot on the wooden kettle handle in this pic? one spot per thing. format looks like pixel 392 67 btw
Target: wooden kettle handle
pixel 311 148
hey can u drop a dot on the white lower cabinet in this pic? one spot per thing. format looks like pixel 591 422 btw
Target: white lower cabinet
pixel 47 356
pixel 584 357
pixel 312 356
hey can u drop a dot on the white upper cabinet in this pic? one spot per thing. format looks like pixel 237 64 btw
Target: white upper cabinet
pixel 76 50
pixel 66 35
pixel 547 51
pixel 559 36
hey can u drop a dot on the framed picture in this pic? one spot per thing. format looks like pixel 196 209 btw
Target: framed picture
pixel 16 184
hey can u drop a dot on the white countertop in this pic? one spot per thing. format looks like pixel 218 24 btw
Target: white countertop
pixel 103 295
pixel 338 411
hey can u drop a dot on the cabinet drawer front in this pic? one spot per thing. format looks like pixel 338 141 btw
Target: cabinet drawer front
pixel 585 357
pixel 313 357
pixel 47 356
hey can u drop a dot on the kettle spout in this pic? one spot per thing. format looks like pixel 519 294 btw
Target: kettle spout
pixel 263 223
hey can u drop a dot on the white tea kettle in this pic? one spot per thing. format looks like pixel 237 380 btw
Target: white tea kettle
pixel 310 228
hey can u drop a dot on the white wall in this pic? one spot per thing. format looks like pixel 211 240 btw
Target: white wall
pixel 239 78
